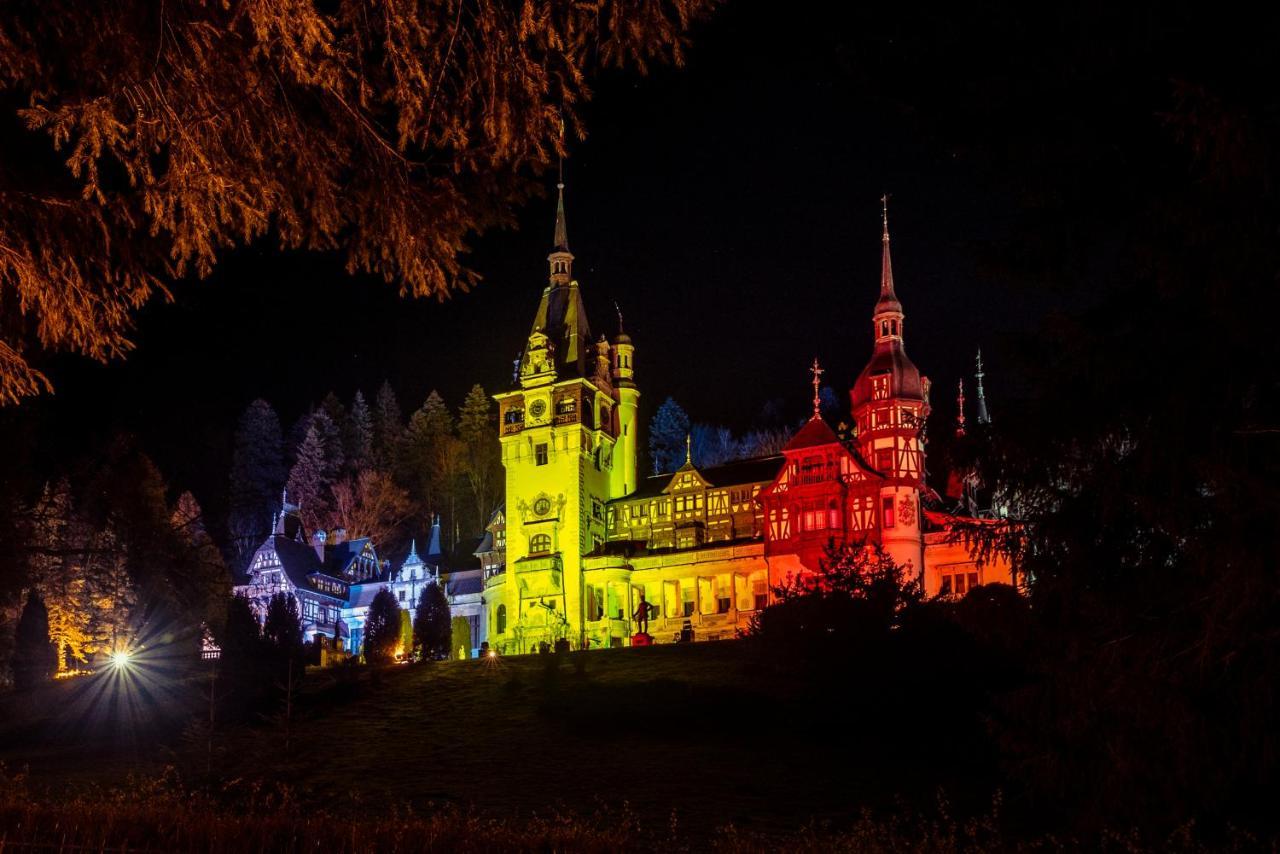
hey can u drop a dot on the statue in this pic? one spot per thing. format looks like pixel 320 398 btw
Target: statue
pixel 642 616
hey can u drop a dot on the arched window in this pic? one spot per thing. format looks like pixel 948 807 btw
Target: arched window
pixel 539 544
pixel 502 619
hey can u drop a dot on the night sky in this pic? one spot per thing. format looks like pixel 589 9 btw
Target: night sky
pixel 732 209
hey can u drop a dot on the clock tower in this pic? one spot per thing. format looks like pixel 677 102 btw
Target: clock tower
pixel 568 437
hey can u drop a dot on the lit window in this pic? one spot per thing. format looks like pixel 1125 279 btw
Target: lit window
pixel 888 512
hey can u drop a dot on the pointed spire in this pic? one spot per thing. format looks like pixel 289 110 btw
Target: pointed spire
pixel 688 449
pixel 984 417
pixel 817 372
pixel 562 231
pixel 960 410
pixel 888 301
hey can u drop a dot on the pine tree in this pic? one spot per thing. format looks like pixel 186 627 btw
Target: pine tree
pixel 241 637
pixel 667 434
pixel 382 628
pixel 388 429
pixel 432 625
pixel 35 658
pixel 308 488
pixel 358 436
pixel 257 477
pixel 482 464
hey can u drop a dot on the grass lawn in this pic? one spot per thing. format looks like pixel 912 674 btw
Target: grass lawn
pixel 708 730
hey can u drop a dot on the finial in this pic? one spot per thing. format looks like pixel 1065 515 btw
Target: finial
pixel 618 309
pixel 960 410
pixel 884 215
pixel 817 372
pixel 688 448
pixel 984 417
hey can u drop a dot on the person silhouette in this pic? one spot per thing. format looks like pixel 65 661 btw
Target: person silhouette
pixel 642 616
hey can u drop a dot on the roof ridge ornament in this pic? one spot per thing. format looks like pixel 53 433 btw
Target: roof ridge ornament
pixel 817 372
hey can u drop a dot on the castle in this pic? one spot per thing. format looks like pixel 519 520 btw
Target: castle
pixel 582 540
pixel 587 540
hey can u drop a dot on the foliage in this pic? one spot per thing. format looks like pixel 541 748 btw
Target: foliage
pixel 257 478
pixel 357 437
pixel 387 132
pixel 482 456
pixel 388 429
pixel 282 628
pixel 668 432
pixel 308 484
pixel 35 658
pixel 369 504
pixel 859 593
pixel 431 461
pixel 432 625
pixel 382 628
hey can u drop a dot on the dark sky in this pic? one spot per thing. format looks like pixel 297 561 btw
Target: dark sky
pixel 731 207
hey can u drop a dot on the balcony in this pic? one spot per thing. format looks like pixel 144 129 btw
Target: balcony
pixel 495 575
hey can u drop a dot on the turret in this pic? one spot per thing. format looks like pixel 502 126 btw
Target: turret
pixel 624 384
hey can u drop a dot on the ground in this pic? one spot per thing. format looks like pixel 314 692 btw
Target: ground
pixel 716 733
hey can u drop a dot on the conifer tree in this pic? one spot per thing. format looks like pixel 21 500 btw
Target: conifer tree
pixel 382 628
pixel 282 628
pixel 667 434
pixel 388 429
pixel 308 486
pixel 431 459
pixel 257 476
pixel 241 636
pixel 34 656
pixel 432 625
pixel 482 464
pixel 358 437
pixel 330 435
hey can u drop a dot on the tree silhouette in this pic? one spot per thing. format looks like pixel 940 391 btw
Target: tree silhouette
pixel 382 628
pixel 432 626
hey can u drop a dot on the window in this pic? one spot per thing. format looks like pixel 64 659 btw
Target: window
pixel 888 512
pixel 760 587
pixel 833 515
pixel 515 415
pixel 539 544
pixel 400 594
pixel 723 591
pixel 884 460
pixel 884 328
pixel 501 619
pixel 687 598
pixel 540 454
pixel 893 327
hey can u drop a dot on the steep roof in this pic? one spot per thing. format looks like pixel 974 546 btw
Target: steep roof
pixel 815 432
pixel 753 470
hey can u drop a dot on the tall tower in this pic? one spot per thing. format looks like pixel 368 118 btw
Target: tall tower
pixel 890 402
pixel 565 454
pixel 624 384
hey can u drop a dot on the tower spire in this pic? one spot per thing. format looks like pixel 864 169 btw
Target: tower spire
pixel 817 372
pixel 960 410
pixel 888 314
pixel 984 417
pixel 562 231
pixel 688 448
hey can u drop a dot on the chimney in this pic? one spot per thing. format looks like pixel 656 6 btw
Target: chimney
pixel 317 540
pixel 339 536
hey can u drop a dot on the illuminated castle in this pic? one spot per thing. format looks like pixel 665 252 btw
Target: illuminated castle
pixel 582 538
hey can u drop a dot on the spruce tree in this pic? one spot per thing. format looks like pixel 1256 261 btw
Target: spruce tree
pixel 482 463
pixel 330 435
pixel 257 475
pixel 667 433
pixel 34 656
pixel 382 628
pixel 388 429
pixel 431 461
pixel 432 625
pixel 308 486
pixel 358 436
